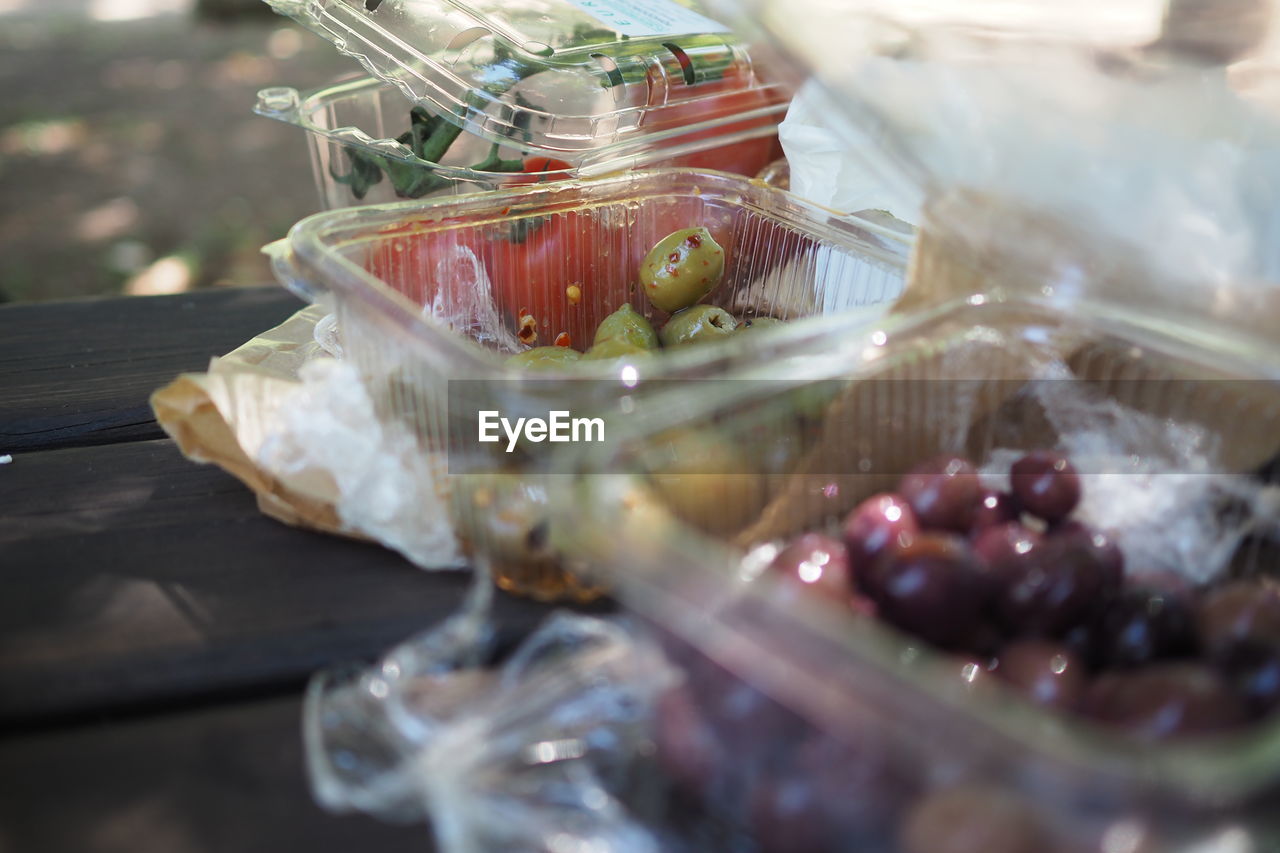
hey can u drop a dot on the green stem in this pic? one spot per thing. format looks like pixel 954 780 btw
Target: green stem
pixel 494 163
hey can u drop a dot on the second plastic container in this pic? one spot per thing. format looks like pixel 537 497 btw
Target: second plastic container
pixel 432 297
pixel 483 94
pixel 359 134
pixel 819 727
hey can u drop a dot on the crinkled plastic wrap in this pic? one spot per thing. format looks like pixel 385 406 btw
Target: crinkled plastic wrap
pixel 1115 150
pixel 296 425
pixel 539 754
pixel 835 163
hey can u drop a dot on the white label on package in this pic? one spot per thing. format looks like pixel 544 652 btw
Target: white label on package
pixel 638 18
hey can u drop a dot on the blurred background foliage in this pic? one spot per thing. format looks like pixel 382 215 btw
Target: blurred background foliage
pixel 130 158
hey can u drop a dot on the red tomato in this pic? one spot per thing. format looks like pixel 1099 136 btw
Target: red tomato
pixel 539 169
pixel 529 268
pixel 723 98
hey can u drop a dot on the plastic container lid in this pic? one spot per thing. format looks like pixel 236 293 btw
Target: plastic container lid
pixel 559 75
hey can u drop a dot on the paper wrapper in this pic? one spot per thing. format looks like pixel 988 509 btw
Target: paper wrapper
pixel 295 425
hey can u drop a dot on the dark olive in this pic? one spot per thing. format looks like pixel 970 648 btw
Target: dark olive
pixel 1048 673
pixel 1165 700
pixel 1046 484
pixel 944 492
pixel 933 587
pixel 972 819
pixel 1051 588
pixel 1253 670
pixel 1138 626
pixel 995 508
pixel 686 745
pixel 1004 542
pixel 816 563
pixel 876 524
pixel 1241 610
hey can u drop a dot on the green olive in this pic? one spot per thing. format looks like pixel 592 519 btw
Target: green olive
pixel 681 269
pixel 625 324
pixel 758 324
pixel 615 348
pixel 699 324
pixel 706 480
pixel 544 358
pixel 504 516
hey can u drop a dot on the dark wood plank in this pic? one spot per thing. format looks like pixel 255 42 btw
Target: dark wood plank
pixel 222 780
pixel 132 576
pixel 79 373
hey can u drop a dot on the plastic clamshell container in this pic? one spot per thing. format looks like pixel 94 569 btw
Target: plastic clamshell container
pixel 545 72
pixel 590 86
pixel 802 720
pixel 364 126
pixel 431 297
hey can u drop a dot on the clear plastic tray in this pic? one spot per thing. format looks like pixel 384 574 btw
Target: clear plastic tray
pixel 549 74
pixel 361 142
pixel 429 298
pixel 819 730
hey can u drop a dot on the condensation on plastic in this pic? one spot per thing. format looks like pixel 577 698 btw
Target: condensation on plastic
pixel 1142 132
pixel 367 114
pixel 540 72
pixel 430 292
pixel 539 754
pixel 862 721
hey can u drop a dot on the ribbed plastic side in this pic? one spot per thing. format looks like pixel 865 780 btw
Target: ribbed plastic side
pixel 800 716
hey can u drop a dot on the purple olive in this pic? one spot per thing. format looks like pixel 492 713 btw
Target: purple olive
pixel 1005 542
pixel 1138 626
pixel 875 525
pixel 685 745
pixel 1166 700
pixel 1046 484
pixel 818 563
pixel 1102 544
pixel 1240 610
pixel 932 586
pixel 830 795
pixel 995 508
pixel 1163 580
pixel 972 819
pixel 945 493
pixel 786 816
pixel 1253 669
pixel 1052 588
pixel 1047 673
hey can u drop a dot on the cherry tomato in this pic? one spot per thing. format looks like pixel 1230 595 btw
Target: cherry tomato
pixel 540 169
pixel 720 98
pixel 568 270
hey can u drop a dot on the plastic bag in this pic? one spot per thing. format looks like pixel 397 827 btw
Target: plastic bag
pixel 1121 151
pixel 535 755
pixel 834 163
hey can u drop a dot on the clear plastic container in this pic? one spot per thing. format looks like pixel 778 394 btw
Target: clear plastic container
pixel 817 728
pixel 359 133
pixel 431 298
pixel 569 87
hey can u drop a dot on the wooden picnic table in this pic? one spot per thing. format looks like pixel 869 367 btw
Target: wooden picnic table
pixel 156 631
